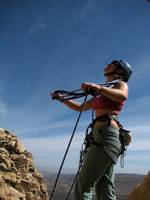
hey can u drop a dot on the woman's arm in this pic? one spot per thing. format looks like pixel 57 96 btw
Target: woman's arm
pixel 78 106
pixel 118 93
pixel 73 104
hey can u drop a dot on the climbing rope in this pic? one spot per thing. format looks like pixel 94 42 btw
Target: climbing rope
pixel 68 95
pixel 63 160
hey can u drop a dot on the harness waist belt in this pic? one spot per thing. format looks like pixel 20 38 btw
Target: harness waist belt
pixel 104 118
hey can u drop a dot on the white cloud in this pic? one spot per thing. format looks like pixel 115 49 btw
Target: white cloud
pixel 136 114
pixel 59 143
pixel 56 143
pixel 140 145
pixel 38 26
pixel 140 137
pixel 45 128
pixel 89 6
pixel 50 151
pixel 45 150
pixel 140 129
pixel 142 67
pixel 42 128
pixel 138 104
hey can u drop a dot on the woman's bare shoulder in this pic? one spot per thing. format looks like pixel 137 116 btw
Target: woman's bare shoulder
pixel 121 84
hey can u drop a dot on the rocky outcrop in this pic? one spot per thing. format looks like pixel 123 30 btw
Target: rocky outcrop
pixel 19 180
pixel 142 190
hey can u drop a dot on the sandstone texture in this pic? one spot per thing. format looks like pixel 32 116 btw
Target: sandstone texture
pixel 142 190
pixel 19 179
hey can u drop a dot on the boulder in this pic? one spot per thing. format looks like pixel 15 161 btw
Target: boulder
pixel 19 179
pixel 142 190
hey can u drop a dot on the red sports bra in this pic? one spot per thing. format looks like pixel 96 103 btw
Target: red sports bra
pixel 104 102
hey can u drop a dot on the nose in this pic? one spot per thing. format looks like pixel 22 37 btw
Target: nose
pixel 108 65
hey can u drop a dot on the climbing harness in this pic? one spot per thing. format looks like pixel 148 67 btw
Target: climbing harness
pixel 89 139
pixel 68 95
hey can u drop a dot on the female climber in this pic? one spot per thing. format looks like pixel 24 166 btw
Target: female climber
pixel 97 171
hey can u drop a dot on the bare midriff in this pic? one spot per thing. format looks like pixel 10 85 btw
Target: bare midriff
pixel 100 112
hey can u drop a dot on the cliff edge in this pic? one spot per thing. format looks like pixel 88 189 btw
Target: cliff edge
pixel 19 179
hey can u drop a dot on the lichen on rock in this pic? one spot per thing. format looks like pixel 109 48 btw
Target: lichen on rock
pixel 19 179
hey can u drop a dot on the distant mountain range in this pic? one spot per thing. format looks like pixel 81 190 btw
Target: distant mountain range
pixel 124 184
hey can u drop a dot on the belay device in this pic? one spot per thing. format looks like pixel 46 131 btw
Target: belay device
pixel 67 95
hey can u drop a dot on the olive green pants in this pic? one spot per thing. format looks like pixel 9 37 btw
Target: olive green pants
pixel 96 173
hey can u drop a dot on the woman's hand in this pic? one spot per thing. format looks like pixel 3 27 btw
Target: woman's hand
pixel 56 96
pixel 86 86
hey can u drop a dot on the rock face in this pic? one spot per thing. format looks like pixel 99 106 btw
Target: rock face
pixel 142 190
pixel 19 180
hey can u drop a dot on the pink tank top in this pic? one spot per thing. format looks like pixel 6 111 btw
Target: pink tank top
pixel 104 102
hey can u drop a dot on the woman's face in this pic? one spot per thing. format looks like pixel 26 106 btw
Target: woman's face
pixel 109 68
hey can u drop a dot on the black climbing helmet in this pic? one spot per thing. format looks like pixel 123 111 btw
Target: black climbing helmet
pixel 123 70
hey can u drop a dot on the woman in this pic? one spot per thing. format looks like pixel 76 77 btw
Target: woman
pixel 98 167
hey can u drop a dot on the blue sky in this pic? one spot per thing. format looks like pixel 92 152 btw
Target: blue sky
pixel 54 44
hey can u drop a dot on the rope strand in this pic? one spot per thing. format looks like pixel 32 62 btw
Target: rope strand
pixel 55 184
